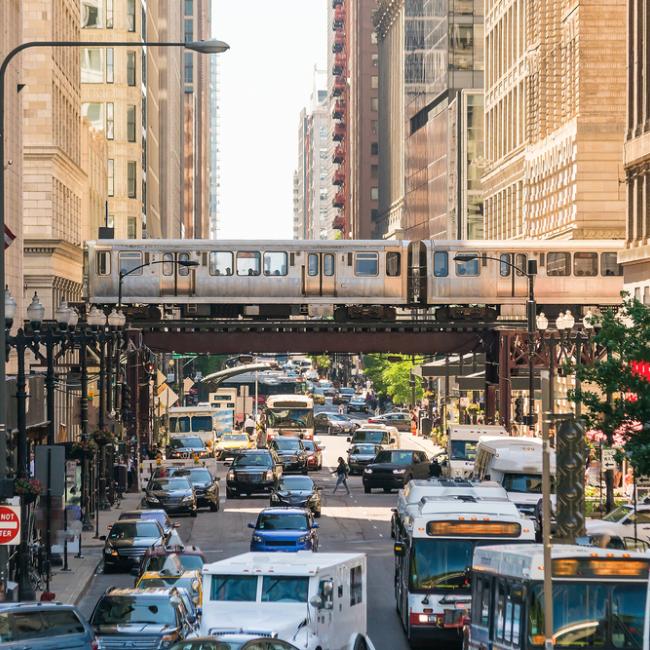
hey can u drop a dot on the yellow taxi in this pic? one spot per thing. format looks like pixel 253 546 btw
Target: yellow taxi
pixel 230 444
pixel 188 580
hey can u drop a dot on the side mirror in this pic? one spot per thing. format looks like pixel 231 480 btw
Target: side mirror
pixel 348 439
pixel 199 611
pixel 399 549
pixel 315 525
pixel 251 525
pixel 191 619
pixel 135 571
pixel 316 602
pixel 392 441
pixel 102 538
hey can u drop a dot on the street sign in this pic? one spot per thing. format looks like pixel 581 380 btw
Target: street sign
pixel 49 467
pixel 9 525
pixel 609 459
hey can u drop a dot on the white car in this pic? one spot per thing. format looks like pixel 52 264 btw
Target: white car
pixel 620 522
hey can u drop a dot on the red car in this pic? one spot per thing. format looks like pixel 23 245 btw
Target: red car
pixel 315 454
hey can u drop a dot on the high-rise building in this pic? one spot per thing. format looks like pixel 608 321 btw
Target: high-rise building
pixel 354 92
pixel 11 30
pixel 555 119
pixel 636 256
pixel 214 148
pixel 431 119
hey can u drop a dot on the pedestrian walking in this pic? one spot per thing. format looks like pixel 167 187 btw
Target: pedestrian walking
pixel 342 470
pixel 341 409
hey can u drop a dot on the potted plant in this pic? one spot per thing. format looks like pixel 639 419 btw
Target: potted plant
pixel 103 437
pixel 83 448
pixel 28 488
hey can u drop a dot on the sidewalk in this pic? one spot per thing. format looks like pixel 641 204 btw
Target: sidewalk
pixel 70 586
pixel 408 440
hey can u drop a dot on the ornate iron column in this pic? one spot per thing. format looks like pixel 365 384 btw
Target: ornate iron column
pixel 570 488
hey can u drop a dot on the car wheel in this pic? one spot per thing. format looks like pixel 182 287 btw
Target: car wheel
pixel 366 489
pixel 317 514
pixel 214 507
pixel 194 513
pixel 230 494
pixel 305 471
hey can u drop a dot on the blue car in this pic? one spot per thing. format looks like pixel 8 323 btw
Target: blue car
pixel 284 529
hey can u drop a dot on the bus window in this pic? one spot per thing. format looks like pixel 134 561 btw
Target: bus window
pixel 609 264
pixel 504 265
pixel 366 264
pixel 468 269
pixel 440 264
pixel 275 263
pixel 220 263
pixel 248 263
pixel 312 265
pixel 103 262
pixel 585 264
pixel 328 265
pixel 393 264
pixel 558 264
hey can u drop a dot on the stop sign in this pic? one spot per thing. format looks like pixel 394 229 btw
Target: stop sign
pixel 9 525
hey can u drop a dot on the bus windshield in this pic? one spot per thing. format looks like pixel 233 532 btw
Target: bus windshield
pixel 202 423
pixel 291 418
pixel 523 483
pixel 591 615
pixel 463 450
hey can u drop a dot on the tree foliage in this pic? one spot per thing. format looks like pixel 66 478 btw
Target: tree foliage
pixel 321 361
pixel 391 378
pixel 616 397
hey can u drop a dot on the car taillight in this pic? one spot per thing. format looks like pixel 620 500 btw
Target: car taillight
pixel 420 618
pixel 94 645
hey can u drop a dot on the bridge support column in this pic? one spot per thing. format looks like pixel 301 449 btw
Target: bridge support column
pixel 504 379
pixel 491 345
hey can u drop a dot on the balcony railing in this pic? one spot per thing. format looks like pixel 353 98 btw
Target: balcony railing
pixel 339 18
pixel 338 156
pixel 338 178
pixel 339 222
pixel 338 112
pixel 339 87
pixel 338 132
pixel 337 3
pixel 339 200
pixel 339 42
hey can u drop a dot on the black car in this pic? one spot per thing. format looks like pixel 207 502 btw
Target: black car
pixel 393 469
pixel 257 470
pixel 357 405
pixel 127 542
pixel 206 486
pixel 292 454
pixel 174 494
pixel 333 424
pixel 361 455
pixel 187 447
pixel 297 491
pixel 169 527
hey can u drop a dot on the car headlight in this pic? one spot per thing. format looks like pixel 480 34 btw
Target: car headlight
pixel 188 498
pixel 367 471
pixel 275 497
pixel 153 498
pixel 257 539
pixel 268 476
pixel 303 539
pixel 399 471
pixel 230 476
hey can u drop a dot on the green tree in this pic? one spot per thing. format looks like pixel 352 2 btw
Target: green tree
pixel 321 361
pixel 209 363
pixel 616 395
pixel 391 378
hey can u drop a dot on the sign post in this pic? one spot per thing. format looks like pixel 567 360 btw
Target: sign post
pixel 609 459
pixel 10 525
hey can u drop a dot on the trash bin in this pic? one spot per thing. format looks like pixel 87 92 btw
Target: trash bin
pixel 425 426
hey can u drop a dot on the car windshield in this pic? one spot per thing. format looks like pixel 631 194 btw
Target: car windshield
pixel 191 562
pixel 338 417
pixel 347 391
pixel 123 610
pixel 161 562
pixel 618 514
pixel 165 484
pixel 191 443
pixel 191 584
pixel 129 530
pixel 376 437
pixel 282 521
pixel 233 588
pixel 366 450
pixel 179 425
pixel 235 437
pixel 396 457
pixel 297 418
pixel 358 400
pixel 296 483
pixel 198 475
pixel 160 517
pixel 463 450
pixel 22 626
pixel 287 444
pixel 309 445
pixel 253 460
pixel 202 423
pixel 281 589
pixel 523 483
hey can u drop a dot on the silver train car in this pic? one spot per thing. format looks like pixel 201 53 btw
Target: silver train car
pixel 351 279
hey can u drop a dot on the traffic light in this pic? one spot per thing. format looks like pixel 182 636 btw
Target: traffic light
pixel 519 410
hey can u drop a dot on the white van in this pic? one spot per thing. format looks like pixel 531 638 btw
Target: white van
pixel 461 446
pixel 376 434
pixel 516 464
pixel 312 600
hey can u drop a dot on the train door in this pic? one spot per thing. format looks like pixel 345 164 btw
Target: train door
pixel 176 280
pixel 511 283
pixel 320 274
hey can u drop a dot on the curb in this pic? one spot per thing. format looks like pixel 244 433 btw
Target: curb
pixel 84 589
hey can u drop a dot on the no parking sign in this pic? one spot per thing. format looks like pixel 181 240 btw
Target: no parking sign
pixel 9 525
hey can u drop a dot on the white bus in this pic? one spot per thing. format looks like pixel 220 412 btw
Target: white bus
pixel 599 598
pixel 516 464
pixel 434 557
pixel 289 415
pixel 196 420
pixel 461 446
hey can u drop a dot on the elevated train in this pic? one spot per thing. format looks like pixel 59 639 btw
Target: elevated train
pixel 356 279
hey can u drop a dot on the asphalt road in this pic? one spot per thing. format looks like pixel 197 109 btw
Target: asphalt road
pixel 359 522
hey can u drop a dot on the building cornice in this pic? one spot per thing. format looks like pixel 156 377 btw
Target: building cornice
pixel 386 14
pixel 52 247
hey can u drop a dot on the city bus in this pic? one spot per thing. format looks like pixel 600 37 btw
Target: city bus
pixel 433 559
pixel 197 420
pixel 599 598
pixel 289 415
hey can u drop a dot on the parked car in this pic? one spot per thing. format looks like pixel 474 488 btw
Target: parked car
pixel 291 453
pixel 188 580
pixel 393 469
pixel 284 529
pixel 141 618
pixel 168 526
pixel 361 455
pixel 127 541
pixel 234 642
pixel 206 486
pixel 253 472
pixel 297 491
pixel 621 522
pixel 401 421
pixel 174 494
pixel 155 559
pixel 333 424
pixel 358 404
pixel 186 447
pixel 314 450
pixel 44 626
pixel 230 444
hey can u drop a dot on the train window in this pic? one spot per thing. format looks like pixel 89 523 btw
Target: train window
pixel 168 264
pixel 585 264
pixel 393 264
pixel 275 263
pixel 558 264
pixel 366 264
pixel 470 268
pixel 248 263
pixel 609 264
pixel 183 271
pixel 440 264
pixel 220 263
pixel 312 264
pixel 504 265
pixel 521 263
pixel 129 260
pixel 103 262
pixel 328 265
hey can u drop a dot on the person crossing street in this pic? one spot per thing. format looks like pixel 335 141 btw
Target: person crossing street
pixel 342 470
